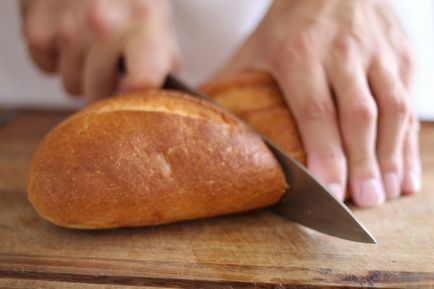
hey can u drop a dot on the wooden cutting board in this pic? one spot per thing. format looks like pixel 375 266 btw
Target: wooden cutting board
pixel 250 250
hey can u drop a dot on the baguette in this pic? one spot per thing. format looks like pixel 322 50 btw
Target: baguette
pixel 154 157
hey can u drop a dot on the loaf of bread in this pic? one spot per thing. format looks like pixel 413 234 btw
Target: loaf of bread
pixel 156 157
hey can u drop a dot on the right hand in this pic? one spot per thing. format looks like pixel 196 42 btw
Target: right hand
pixel 83 40
pixel 348 84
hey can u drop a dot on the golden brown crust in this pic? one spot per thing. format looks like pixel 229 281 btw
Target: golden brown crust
pixel 150 158
pixel 256 98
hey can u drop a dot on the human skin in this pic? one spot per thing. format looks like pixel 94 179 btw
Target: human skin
pixel 345 68
pixel 84 41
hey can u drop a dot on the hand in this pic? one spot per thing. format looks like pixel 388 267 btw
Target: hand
pixel 345 68
pixel 83 41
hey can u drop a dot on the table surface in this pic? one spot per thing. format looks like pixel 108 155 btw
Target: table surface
pixel 251 250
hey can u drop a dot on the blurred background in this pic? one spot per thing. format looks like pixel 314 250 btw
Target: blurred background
pixel 23 85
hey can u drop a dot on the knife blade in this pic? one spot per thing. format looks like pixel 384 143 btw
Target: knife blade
pixel 306 201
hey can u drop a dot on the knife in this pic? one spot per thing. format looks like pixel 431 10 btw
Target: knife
pixel 306 201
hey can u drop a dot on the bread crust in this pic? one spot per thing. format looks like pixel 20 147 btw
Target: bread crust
pixel 149 158
pixel 256 98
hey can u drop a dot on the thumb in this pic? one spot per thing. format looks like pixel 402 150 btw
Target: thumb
pixel 147 61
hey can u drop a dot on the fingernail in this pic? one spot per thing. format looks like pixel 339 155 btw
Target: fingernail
pixel 412 181
pixel 391 184
pixel 371 193
pixel 336 189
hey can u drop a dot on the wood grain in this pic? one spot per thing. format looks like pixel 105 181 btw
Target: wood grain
pixel 23 283
pixel 251 250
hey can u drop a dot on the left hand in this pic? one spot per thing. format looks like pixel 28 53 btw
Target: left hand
pixel 84 40
pixel 345 68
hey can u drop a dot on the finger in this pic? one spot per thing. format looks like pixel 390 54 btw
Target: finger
pixel 392 101
pixel 406 66
pixel 39 29
pixel 148 60
pixel 306 90
pixel 47 61
pixel 411 181
pixel 101 65
pixel 71 69
pixel 358 122
pixel 72 44
pixel 175 57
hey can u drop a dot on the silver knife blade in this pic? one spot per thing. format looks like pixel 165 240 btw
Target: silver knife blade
pixel 306 201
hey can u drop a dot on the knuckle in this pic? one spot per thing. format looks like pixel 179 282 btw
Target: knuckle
pixel 336 157
pixel 363 112
pixel 395 106
pixel 38 39
pixel 345 45
pixel 300 43
pixel 100 18
pixel 67 32
pixel 144 8
pixel 298 47
pixel 363 160
pixel 95 11
pixel 328 157
pixel 407 59
pixel 389 160
pixel 316 111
